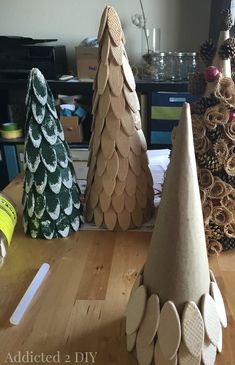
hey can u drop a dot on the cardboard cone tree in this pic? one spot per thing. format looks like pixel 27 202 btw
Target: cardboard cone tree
pixel 213 119
pixel 51 197
pixel 175 310
pixel 119 191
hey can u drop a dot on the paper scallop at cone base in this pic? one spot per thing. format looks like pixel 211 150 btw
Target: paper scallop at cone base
pixel 182 338
pixel 119 192
pixel 177 271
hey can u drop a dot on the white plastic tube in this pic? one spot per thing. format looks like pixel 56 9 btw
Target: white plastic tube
pixel 29 294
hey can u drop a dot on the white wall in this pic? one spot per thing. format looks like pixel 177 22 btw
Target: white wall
pixel 184 23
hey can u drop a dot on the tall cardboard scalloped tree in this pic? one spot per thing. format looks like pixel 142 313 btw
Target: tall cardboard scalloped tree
pixel 51 197
pixel 119 187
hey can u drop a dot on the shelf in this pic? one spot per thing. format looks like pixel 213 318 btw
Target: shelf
pixel 57 86
pixel 12 141
pixel 168 86
pixel 21 140
pixel 76 87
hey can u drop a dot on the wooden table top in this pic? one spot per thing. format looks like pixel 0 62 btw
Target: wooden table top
pixel 79 311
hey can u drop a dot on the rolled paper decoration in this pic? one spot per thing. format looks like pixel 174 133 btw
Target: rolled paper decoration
pixel 214 137
pixel 29 294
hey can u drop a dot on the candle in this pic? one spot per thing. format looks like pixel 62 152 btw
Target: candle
pixel 154 39
pixel 29 294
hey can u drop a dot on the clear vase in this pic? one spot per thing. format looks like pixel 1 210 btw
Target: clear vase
pixel 150 48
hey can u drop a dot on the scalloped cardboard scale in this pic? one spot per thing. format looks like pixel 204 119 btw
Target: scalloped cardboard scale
pixel 103 22
pixel 211 319
pixel 144 353
pixel 114 26
pixel 115 79
pixel 217 296
pixel 131 341
pixel 169 330
pixel 150 322
pixel 193 329
pixel 186 358
pixel 159 358
pixel 135 309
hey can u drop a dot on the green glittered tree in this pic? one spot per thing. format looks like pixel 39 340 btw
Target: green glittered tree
pixel 51 197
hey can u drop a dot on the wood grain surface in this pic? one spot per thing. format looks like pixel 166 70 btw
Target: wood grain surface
pixel 81 305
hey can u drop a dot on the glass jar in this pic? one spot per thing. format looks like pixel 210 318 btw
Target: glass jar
pixel 180 66
pixel 191 63
pixel 162 66
pixel 170 68
pixel 149 66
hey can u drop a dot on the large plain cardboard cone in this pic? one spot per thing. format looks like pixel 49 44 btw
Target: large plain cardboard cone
pixel 223 65
pixel 177 265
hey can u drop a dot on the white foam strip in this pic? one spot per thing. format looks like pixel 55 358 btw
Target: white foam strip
pixel 29 294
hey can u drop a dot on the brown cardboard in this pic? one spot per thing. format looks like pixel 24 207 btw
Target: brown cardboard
pixel 72 129
pixel 86 60
pixel 177 265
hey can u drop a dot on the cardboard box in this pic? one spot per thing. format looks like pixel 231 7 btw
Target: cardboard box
pixel 86 60
pixel 72 129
